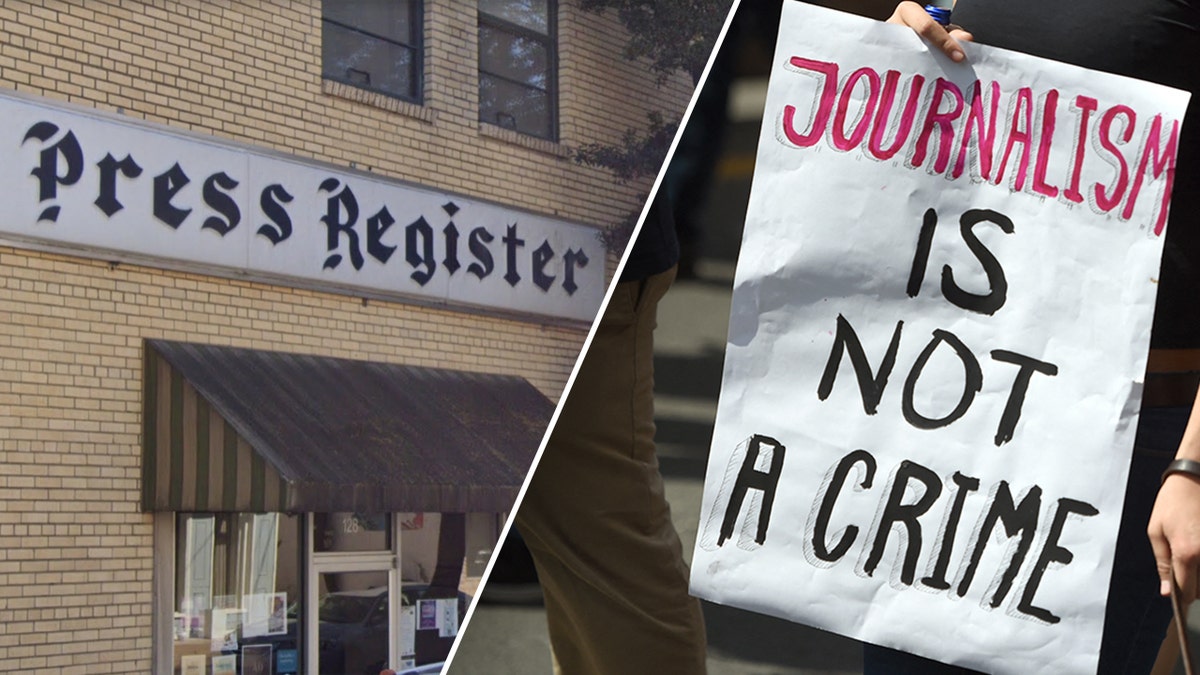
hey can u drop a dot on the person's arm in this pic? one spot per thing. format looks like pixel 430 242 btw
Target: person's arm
pixel 915 17
pixel 1175 522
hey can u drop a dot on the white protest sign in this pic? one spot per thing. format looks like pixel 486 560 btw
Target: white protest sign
pixel 940 324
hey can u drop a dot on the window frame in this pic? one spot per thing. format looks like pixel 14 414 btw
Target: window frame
pixel 166 566
pixel 550 41
pixel 417 49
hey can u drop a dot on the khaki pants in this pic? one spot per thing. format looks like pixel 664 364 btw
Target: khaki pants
pixel 595 517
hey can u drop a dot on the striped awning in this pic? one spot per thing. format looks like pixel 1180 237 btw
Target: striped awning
pixel 229 429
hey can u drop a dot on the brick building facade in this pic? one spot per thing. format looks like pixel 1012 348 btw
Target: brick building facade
pixel 99 573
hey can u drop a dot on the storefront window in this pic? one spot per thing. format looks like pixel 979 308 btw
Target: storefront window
pixel 435 584
pixel 237 594
pixel 378 591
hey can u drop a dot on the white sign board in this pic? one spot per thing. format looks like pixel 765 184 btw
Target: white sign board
pixel 940 324
pixel 110 187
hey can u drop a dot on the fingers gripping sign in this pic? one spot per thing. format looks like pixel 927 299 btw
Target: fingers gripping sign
pixel 915 17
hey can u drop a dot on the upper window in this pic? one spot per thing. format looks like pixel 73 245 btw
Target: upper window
pixel 517 66
pixel 373 44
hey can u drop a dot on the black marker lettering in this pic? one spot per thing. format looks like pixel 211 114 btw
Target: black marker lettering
pixel 870 385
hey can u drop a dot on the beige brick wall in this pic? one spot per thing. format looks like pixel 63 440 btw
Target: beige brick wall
pixel 75 552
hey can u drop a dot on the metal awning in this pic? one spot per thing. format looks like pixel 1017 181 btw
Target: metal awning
pixel 229 429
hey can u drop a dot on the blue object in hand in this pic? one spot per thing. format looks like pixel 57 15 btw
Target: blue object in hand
pixel 939 14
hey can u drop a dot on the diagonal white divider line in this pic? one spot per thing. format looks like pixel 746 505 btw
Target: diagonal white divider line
pixel 487 573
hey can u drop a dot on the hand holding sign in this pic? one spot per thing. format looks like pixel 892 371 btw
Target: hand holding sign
pixel 915 17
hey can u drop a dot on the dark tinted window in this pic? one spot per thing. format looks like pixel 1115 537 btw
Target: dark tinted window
pixel 517 69
pixel 373 44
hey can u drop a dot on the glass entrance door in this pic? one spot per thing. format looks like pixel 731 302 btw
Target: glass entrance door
pixel 353 622
pixel 354 586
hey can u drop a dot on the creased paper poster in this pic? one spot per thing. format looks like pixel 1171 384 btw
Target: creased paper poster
pixel 940 323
